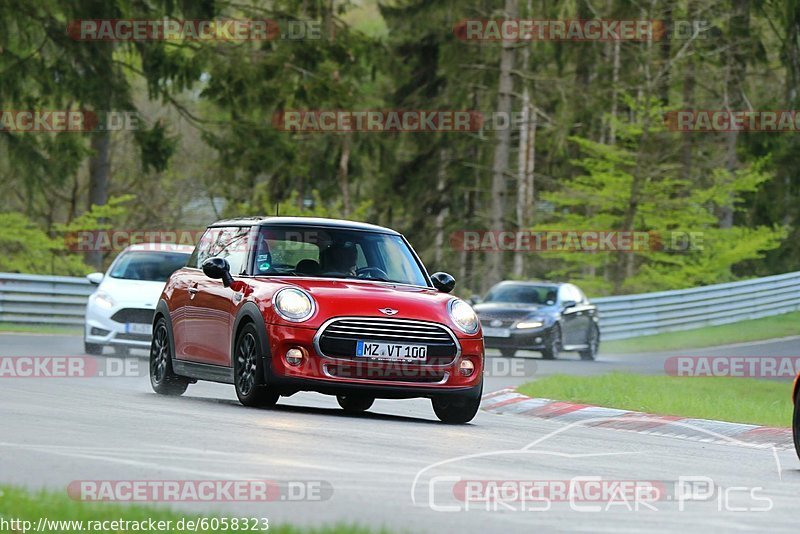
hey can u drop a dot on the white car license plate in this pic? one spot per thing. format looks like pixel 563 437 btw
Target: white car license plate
pixel 391 351
pixel 136 328
pixel 496 332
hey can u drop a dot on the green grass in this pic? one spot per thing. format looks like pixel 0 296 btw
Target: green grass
pixel 787 324
pixel 17 503
pixel 40 329
pixel 739 400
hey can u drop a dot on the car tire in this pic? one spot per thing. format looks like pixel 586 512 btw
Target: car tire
pixel 456 410
pixel 162 378
pixel 594 343
pixel 92 349
pixel 355 403
pixel 248 370
pixel 796 425
pixel 508 353
pixel 552 346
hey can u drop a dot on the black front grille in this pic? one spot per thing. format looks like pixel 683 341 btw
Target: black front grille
pixel 134 315
pixel 338 339
pixel 492 322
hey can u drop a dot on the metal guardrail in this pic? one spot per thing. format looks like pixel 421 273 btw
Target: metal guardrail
pixel 61 300
pixel 34 299
pixel 684 309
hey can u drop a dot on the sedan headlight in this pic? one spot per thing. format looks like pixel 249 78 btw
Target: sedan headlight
pixel 294 304
pixel 104 300
pixel 463 316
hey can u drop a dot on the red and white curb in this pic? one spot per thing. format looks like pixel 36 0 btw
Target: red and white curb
pixel 509 401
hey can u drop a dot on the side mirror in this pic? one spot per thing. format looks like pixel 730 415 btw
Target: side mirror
pixel 569 304
pixel 218 268
pixel 443 282
pixel 474 299
pixel 95 278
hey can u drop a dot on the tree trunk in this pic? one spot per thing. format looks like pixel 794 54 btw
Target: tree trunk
pixel 525 182
pixel 666 52
pixel 344 176
pixel 99 173
pixel 612 127
pixel 689 81
pixel 739 40
pixel 443 212
pixel 502 148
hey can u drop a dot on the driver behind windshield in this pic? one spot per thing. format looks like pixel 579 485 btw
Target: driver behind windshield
pixel 339 259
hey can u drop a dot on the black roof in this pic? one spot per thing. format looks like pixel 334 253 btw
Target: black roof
pixel 317 222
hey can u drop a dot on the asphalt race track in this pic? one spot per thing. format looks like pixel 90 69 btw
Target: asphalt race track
pixel 395 466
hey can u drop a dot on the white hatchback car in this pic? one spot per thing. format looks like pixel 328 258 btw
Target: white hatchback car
pixel 120 312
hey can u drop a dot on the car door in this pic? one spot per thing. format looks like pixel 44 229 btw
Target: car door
pixel 588 312
pixel 570 316
pixel 211 304
pixel 184 287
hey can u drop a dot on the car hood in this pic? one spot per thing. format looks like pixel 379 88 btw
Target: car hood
pixel 337 298
pixel 132 293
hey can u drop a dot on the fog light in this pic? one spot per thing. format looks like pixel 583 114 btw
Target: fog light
pixel 537 340
pixel 466 368
pixel 294 357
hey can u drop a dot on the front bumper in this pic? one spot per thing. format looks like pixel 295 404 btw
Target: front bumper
pixel 382 379
pixel 520 339
pixel 100 329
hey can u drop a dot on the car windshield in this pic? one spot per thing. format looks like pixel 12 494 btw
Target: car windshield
pixel 522 294
pixel 148 266
pixel 336 253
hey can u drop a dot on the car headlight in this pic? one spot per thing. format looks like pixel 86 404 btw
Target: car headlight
pixel 104 300
pixel 535 322
pixel 294 304
pixel 463 316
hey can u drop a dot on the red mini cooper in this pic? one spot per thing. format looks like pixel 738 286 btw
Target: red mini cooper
pixel 279 305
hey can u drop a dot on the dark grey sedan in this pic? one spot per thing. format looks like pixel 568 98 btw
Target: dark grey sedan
pixel 542 316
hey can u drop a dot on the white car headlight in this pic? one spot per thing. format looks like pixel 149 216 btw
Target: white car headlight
pixel 463 316
pixel 294 304
pixel 104 300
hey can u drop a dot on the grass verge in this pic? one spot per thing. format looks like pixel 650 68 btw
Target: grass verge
pixel 787 324
pixel 738 400
pixel 40 329
pixel 20 504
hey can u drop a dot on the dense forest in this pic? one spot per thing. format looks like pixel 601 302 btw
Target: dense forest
pixel 590 146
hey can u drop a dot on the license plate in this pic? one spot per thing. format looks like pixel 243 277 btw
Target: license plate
pixel 136 328
pixel 496 332
pixel 391 351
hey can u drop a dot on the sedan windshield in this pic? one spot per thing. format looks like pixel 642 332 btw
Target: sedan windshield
pixel 336 253
pixel 522 294
pixel 147 266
